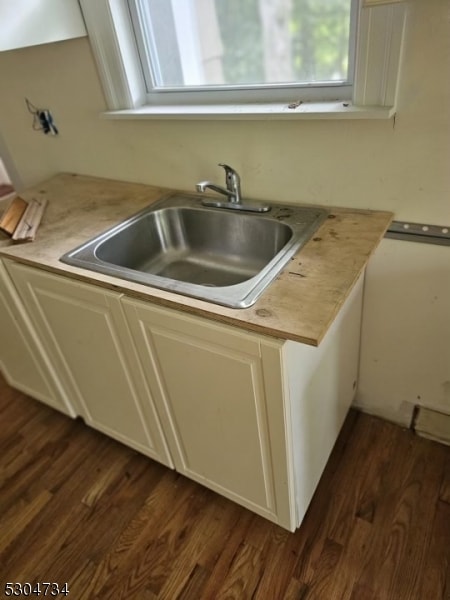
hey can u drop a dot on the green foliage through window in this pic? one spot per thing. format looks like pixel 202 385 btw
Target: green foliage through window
pixel 317 49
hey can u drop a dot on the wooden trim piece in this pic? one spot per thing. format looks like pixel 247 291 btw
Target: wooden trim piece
pixel 28 225
pixel 13 215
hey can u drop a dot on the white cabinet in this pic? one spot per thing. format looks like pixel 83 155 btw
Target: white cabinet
pixel 220 392
pixel 249 416
pixel 84 333
pixel 29 23
pixel 23 361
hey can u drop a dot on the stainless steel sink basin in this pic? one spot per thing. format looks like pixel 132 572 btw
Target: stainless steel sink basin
pixel 213 254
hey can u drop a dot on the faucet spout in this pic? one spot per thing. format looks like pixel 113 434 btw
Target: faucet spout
pixel 202 186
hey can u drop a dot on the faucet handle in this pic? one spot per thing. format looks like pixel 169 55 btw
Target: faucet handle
pixel 232 178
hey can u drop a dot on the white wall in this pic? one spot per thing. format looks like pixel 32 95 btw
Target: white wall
pixel 405 349
pixel 364 164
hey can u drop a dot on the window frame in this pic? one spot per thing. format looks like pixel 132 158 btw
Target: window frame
pixel 238 94
pixel 380 32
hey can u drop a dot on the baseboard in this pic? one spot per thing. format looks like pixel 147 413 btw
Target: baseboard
pixel 433 425
pixel 402 415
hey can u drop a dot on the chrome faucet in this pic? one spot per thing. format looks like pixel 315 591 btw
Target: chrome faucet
pixel 232 181
pixel 232 192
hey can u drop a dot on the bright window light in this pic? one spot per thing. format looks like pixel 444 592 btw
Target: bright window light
pixel 244 44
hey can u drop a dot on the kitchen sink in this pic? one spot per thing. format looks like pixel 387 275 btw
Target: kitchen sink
pixel 221 256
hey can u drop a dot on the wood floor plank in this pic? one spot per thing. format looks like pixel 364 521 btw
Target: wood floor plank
pixel 435 578
pixel 80 578
pixel 344 565
pixel 358 495
pixel 106 519
pixel 280 558
pixel 195 584
pixel 63 515
pixel 444 492
pixel 334 504
pixel 104 480
pixel 402 526
pixel 296 590
pixel 243 576
pixel 76 506
pixel 363 592
pixel 226 516
pixel 29 470
pixel 16 409
pixel 14 521
pixel 149 564
pixel 42 440
pixel 147 543
pixel 202 549
pixel 230 548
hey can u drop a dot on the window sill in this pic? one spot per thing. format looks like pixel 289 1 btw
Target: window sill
pixel 305 110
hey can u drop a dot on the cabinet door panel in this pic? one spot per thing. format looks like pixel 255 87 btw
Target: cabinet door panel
pixel 22 358
pixel 214 401
pixel 209 383
pixel 88 340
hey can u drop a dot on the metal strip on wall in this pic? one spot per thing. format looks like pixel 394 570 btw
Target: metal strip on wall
pixel 419 232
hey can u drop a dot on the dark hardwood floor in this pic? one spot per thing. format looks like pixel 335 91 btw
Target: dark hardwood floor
pixel 77 507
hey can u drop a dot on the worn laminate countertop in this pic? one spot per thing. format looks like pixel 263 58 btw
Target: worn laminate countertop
pixel 299 305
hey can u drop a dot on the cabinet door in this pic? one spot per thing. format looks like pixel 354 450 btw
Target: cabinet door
pixel 23 23
pixel 86 337
pixel 22 359
pixel 220 392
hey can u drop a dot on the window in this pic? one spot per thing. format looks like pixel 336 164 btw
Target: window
pixel 245 48
pixel 246 57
